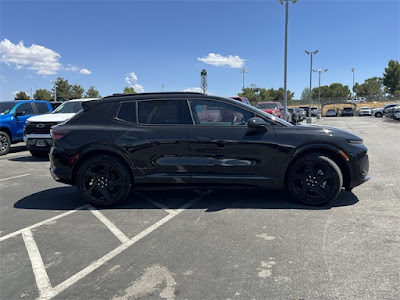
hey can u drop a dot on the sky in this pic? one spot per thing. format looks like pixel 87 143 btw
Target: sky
pixel 164 45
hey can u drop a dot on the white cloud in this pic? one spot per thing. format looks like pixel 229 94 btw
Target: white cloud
pixel 85 72
pixel 131 78
pixel 43 60
pixel 138 88
pixel 219 60
pixel 193 89
pixel 38 58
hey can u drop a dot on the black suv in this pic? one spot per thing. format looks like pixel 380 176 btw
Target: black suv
pixel 164 140
pixel 347 111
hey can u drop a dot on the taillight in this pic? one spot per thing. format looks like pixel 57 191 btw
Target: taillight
pixel 58 134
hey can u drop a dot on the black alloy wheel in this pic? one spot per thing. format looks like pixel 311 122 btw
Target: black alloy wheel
pixel 104 181
pixel 315 179
pixel 5 143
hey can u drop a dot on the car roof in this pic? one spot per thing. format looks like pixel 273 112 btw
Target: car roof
pixel 82 100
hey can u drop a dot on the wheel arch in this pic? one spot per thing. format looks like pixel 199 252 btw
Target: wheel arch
pixel 89 153
pixel 326 150
pixel 8 131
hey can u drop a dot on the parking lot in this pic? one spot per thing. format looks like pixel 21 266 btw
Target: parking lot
pixel 203 244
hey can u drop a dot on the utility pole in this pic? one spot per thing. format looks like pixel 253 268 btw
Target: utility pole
pixel 243 71
pixel 203 83
pixel 319 90
pixel 309 120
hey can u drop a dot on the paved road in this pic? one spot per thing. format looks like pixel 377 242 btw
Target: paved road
pixel 203 244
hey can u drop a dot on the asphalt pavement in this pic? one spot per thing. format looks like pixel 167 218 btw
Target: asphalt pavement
pixel 203 244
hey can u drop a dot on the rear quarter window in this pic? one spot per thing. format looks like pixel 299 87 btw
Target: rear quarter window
pixel 42 108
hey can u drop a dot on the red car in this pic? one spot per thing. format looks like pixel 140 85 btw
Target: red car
pixel 273 108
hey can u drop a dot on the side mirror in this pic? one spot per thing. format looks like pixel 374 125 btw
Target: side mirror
pixel 256 123
pixel 19 114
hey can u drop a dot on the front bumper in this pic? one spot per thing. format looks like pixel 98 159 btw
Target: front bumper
pixel 38 144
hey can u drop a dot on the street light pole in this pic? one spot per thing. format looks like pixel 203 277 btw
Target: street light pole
pixel 353 70
pixel 243 71
pixel 55 89
pixel 285 60
pixel 319 90
pixel 309 103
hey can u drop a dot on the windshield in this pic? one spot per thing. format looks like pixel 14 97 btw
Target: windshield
pixel 267 105
pixel 6 107
pixel 68 108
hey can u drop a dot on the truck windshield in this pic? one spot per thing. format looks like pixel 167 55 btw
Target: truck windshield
pixel 6 107
pixel 68 108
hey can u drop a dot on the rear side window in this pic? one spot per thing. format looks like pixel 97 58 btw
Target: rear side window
pixel 164 112
pixel 127 112
pixel 42 108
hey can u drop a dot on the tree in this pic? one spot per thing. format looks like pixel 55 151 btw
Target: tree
pixel 391 77
pixel 63 89
pixel 21 96
pixel 76 92
pixel 305 95
pixel 256 94
pixel 372 87
pixel 92 93
pixel 42 94
pixel 335 90
pixel 129 90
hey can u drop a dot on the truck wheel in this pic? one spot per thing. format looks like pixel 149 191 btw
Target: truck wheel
pixel 5 143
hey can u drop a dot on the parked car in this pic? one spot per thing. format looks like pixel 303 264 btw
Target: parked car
pixel 241 99
pixel 365 111
pixel 331 113
pixel 393 112
pixel 357 100
pixel 273 108
pixel 158 140
pixel 347 111
pixel 55 104
pixel 378 112
pixel 302 113
pixel 314 110
pixel 296 117
pixel 37 129
pixel 13 115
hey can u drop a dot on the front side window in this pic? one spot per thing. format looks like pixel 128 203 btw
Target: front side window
pixel 163 112
pixel 209 112
pixel 68 108
pixel 25 108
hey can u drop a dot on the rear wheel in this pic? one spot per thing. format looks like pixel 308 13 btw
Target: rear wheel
pixel 5 143
pixel 378 115
pixel 104 181
pixel 315 179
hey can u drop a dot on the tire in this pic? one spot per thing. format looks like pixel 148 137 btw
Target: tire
pixel 5 143
pixel 378 115
pixel 315 179
pixel 104 181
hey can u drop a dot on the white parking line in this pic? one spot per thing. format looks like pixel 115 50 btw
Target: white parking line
pixel 98 263
pixel 118 233
pixel 41 277
pixel 156 203
pixel 14 177
pixel 41 223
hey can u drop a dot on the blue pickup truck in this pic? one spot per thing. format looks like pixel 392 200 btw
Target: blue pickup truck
pixel 13 115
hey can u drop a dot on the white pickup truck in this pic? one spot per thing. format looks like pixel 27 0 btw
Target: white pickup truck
pixel 37 129
pixel 379 112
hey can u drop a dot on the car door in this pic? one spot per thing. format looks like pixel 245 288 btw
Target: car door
pixel 154 132
pixel 225 151
pixel 22 112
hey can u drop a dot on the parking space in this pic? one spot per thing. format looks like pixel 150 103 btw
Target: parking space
pixel 203 244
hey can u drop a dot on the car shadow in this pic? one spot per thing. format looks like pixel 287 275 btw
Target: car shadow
pixel 68 198
pixel 17 148
pixel 30 158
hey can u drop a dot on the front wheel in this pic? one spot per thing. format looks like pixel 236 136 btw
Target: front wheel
pixel 5 143
pixel 315 179
pixel 104 181
pixel 378 115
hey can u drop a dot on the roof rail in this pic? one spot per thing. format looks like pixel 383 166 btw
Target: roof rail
pixel 154 93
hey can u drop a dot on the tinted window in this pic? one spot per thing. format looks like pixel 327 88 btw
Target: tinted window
pixel 127 112
pixel 208 112
pixel 163 112
pixel 69 108
pixel 42 108
pixel 267 105
pixel 25 107
pixel 6 107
